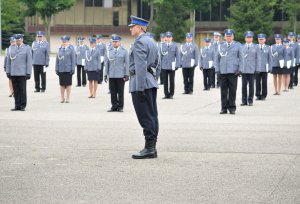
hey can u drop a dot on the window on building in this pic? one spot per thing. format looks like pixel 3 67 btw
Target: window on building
pixel 116 18
pixel 98 3
pixel 89 3
pixel 117 3
pixel 93 3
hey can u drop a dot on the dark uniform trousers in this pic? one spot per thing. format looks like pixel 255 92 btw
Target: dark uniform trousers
pixel 81 71
pixel 116 87
pixel 39 75
pixel 169 78
pixel 247 79
pixel 261 81
pixel 161 78
pixel 213 78
pixel 292 74
pixel 101 74
pixel 207 78
pixel 146 112
pixel 188 79
pixel 228 84
pixel 295 79
pixel 19 86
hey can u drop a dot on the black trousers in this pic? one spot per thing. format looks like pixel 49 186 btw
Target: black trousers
pixel 261 82
pixel 213 78
pixel 20 95
pixel 101 73
pixel 169 78
pixel 39 75
pixel 188 79
pixel 207 78
pixel 295 79
pixel 247 79
pixel 292 74
pixel 116 87
pixel 218 80
pixel 228 84
pixel 81 72
pixel 161 78
pixel 146 112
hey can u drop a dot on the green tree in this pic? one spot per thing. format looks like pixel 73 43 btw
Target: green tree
pixel 292 9
pixel 11 20
pixel 188 8
pixel 172 15
pixel 254 15
pixel 46 9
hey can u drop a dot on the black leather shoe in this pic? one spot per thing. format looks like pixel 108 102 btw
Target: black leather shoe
pixel 120 109
pixel 263 98
pixel 22 109
pixel 166 97
pixel 185 92
pixel 244 104
pixel 170 97
pixel 258 98
pixel 190 93
pixel 14 109
pixel 223 112
pixel 112 110
pixel 149 152
pixel 232 112
pixel 250 104
pixel 36 91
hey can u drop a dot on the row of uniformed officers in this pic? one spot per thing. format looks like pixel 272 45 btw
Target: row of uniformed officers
pixel 228 59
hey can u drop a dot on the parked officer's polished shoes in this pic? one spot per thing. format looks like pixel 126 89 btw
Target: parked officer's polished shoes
pixel 148 152
pixel 223 112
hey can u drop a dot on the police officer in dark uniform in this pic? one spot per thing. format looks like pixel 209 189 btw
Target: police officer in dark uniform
pixel 229 62
pixel 143 85
pixel 19 68
pixel 40 54
pixel 293 45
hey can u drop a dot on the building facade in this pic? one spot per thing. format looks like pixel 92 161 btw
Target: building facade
pixel 90 17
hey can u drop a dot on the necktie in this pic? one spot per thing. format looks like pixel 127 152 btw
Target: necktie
pixel 228 45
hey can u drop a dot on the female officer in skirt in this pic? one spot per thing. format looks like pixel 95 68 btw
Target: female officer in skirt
pixel 65 67
pixel 277 63
pixel 93 67
pixel 288 56
pixel 117 70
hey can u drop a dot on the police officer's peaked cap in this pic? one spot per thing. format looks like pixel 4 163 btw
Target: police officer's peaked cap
pixel 138 21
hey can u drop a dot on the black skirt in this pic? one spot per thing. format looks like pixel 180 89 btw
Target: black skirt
pixel 93 76
pixel 287 71
pixel 65 79
pixel 277 70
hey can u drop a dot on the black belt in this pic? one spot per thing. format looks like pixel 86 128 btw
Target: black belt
pixel 149 69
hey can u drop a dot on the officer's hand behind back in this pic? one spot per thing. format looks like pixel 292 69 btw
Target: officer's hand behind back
pixel 105 78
